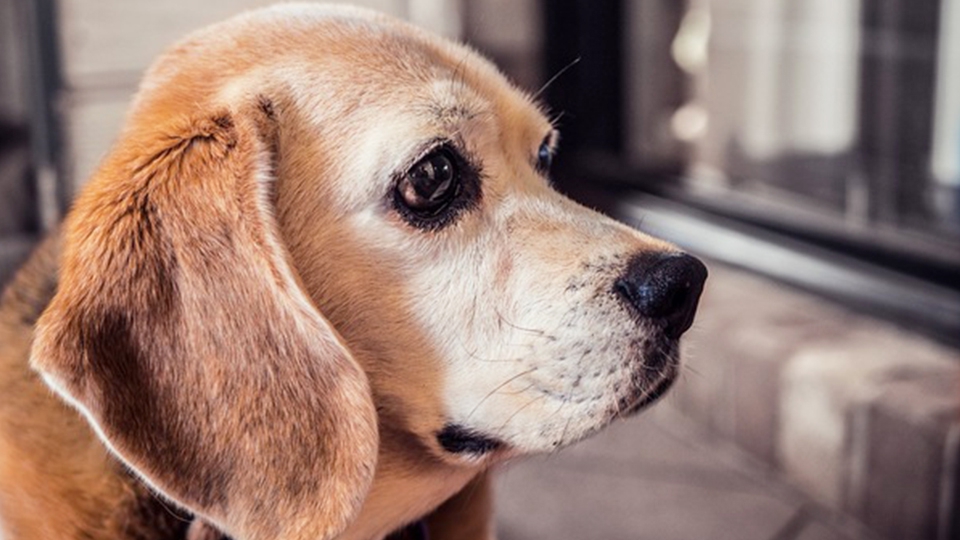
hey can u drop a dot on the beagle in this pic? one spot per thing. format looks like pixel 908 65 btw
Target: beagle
pixel 318 288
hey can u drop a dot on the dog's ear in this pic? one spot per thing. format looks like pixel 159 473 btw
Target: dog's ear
pixel 181 331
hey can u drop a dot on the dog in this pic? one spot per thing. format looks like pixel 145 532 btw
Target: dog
pixel 320 285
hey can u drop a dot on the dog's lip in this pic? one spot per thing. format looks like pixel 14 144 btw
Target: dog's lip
pixel 461 440
pixel 651 396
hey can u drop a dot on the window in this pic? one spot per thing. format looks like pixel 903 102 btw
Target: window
pixel 831 122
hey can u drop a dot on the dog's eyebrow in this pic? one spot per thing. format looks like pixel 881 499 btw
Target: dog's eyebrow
pixel 452 112
pixel 451 100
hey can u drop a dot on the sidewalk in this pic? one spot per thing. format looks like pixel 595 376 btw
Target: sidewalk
pixel 657 477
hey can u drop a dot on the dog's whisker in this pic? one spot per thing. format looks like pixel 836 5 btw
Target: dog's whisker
pixel 555 120
pixel 563 403
pixel 518 411
pixel 618 415
pixel 553 79
pixel 692 370
pixel 459 72
pixel 522 390
pixel 554 413
pixel 645 393
pixel 503 319
pixel 474 355
pixel 563 434
pixel 499 386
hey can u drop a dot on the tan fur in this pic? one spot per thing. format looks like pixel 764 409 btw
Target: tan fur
pixel 248 326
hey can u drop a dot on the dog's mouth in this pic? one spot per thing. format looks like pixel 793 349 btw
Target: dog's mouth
pixel 639 402
pixel 652 370
pixel 463 441
pixel 664 358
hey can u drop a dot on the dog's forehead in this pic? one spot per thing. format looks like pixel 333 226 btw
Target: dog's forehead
pixel 356 90
pixel 338 60
pixel 377 83
pixel 387 68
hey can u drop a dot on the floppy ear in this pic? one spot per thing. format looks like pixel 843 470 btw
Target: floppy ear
pixel 182 333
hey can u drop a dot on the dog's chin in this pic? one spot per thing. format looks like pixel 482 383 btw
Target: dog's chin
pixel 659 366
pixel 644 399
pixel 646 391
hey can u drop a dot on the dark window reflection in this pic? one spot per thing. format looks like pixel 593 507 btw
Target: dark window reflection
pixel 835 116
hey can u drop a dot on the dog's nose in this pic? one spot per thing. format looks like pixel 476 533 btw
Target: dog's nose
pixel 664 288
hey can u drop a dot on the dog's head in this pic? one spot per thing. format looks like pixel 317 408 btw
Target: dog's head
pixel 320 225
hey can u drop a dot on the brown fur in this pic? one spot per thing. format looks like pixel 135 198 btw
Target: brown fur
pixel 142 326
pixel 235 341
pixel 62 472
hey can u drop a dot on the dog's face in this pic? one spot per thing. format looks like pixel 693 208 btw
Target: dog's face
pixel 302 192
pixel 483 305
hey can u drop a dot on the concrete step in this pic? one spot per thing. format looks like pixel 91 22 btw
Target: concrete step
pixel 659 477
pixel 859 413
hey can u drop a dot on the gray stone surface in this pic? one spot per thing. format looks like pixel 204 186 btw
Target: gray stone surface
pixel 909 456
pixel 746 330
pixel 856 412
pixel 562 504
pixel 650 477
pixel 818 531
pixel 827 380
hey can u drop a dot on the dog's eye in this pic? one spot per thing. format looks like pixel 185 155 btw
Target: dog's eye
pixel 437 189
pixel 544 157
pixel 431 184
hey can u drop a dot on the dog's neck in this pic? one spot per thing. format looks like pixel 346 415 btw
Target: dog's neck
pixel 409 484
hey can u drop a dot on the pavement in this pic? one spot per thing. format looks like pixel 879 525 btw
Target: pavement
pixel 658 476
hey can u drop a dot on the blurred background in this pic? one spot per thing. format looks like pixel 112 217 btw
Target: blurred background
pixel 809 150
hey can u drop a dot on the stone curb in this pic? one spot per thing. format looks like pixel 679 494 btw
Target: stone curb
pixel 857 413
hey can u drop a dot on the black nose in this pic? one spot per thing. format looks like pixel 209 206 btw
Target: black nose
pixel 664 288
